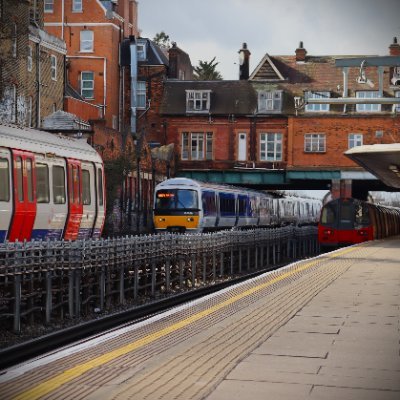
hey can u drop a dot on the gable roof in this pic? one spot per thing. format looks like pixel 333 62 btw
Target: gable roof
pixel 266 70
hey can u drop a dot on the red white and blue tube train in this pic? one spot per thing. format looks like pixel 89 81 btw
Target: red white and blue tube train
pixel 349 221
pixel 51 187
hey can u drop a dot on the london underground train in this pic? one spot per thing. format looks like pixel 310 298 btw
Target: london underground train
pixel 349 221
pixel 186 205
pixel 51 187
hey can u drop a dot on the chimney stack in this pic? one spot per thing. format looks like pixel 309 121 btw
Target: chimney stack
pixel 244 62
pixel 301 53
pixel 394 48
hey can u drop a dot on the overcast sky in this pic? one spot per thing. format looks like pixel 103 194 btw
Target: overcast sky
pixel 209 28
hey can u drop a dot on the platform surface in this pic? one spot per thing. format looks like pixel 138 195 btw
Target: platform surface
pixel 323 328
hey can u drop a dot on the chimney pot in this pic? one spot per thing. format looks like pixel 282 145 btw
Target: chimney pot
pixel 301 53
pixel 394 48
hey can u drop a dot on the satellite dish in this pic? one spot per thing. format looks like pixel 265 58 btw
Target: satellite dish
pixel 241 57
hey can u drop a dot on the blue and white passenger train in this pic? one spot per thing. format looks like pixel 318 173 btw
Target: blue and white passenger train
pixel 51 186
pixel 186 205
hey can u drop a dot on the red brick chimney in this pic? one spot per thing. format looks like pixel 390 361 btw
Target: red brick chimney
pixel 301 53
pixel 394 48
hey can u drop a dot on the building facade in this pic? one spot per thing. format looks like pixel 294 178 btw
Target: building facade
pixel 31 65
pixel 93 31
pixel 290 121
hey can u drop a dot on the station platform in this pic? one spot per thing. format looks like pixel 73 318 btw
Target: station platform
pixel 323 328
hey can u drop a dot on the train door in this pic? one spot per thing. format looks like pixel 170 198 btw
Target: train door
pixel 24 196
pixel 100 201
pixel 6 205
pixel 75 206
pixel 52 208
pixel 88 201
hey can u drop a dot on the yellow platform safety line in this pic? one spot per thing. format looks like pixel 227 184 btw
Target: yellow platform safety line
pixel 61 379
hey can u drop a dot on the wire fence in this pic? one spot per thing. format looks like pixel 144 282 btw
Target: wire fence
pixel 47 282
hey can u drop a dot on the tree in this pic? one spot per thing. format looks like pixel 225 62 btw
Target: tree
pixel 162 39
pixel 206 71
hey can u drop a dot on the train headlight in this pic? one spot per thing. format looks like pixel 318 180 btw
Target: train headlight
pixel 161 219
pixel 327 232
pixel 190 219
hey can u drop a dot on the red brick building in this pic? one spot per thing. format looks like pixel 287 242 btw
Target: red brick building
pixel 290 121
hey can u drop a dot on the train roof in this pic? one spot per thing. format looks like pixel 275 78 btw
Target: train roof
pixel 36 141
pixel 187 182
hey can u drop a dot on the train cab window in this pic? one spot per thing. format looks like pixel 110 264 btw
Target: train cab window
pixel 58 185
pixel 361 215
pixel 328 215
pixel 169 199
pixel 20 181
pixel 29 179
pixel 5 179
pixel 346 219
pixel 100 185
pixel 74 195
pixel 42 183
pixel 86 187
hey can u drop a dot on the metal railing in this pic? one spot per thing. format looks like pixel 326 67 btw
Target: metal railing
pixel 47 282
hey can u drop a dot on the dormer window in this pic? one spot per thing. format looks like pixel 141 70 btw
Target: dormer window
pixel 198 100
pixel 141 51
pixel 395 81
pixel 317 107
pixel 270 101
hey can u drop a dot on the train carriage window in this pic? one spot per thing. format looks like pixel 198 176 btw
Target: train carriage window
pixel 209 204
pixel 242 205
pixel 42 183
pixel 86 187
pixel 29 178
pixel 5 179
pixel 100 185
pixel 20 181
pixel 58 185
pixel 227 204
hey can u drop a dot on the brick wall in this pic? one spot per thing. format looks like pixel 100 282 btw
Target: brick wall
pixel 337 131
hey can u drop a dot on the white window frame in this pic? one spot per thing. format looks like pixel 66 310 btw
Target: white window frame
pixel 53 67
pixel 30 59
pixel 271 146
pixel 86 44
pixel 77 6
pixel 48 6
pixel 141 51
pixel 197 146
pixel 270 100
pixel 396 107
pixel 355 139
pixel 315 143
pixel 317 107
pixel 87 88
pixel 368 94
pixel 198 101
pixel 141 94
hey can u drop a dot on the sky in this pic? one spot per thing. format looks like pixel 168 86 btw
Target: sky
pixel 217 28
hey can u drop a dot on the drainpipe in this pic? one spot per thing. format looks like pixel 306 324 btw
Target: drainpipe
pixel 62 18
pixel 39 84
pixel 133 82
